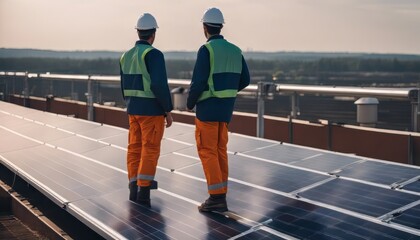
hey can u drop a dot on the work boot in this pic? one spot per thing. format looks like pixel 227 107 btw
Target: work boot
pixel 216 203
pixel 153 184
pixel 143 196
pixel 132 186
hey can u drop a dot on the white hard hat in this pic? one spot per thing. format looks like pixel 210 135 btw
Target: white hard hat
pixel 213 15
pixel 146 21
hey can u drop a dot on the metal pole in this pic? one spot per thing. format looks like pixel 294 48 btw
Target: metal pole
pixel 410 150
pixel 72 91
pixel 51 90
pixel 26 91
pixel 89 99
pixel 291 129
pixel 415 111
pixel 418 111
pixel 14 79
pixel 294 103
pixel 415 114
pixel 329 126
pixel 260 109
pixel 98 92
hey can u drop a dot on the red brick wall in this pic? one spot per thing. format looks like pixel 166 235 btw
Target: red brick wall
pixel 111 116
pixel 311 135
pixel 393 147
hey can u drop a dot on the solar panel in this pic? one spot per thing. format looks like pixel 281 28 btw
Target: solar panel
pixel 415 186
pixel 410 217
pixel 120 140
pixel 13 122
pixel 277 191
pixel 326 162
pixel 240 143
pixel 109 155
pixel 50 119
pixel 12 142
pixel 168 146
pixel 77 144
pixel 190 151
pixel 265 174
pixel 186 137
pixel 179 130
pixel 283 153
pixel 76 127
pixel 380 172
pixel 358 197
pixel 103 132
pixel 176 162
pixel 41 132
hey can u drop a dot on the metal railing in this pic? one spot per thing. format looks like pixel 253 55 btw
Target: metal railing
pixel 262 91
pixel 411 94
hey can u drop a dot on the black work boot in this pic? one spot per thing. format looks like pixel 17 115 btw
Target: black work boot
pixel 133 191
pixel 143 196
pixel 216 203
pixel 153 184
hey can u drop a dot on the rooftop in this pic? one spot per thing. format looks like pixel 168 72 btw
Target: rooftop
pixel 276 190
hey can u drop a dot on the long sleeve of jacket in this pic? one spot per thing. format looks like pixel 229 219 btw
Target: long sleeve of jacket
pixel 155 63
pixel 245 78
pixel 200 77
pixel 121 83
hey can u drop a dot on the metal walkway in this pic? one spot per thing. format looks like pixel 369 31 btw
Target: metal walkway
pixel 278 191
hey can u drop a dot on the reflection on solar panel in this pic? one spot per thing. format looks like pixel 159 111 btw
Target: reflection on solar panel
pixel 278 191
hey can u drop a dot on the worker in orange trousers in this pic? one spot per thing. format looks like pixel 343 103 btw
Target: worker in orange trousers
pixel 145 89
pixel 219 73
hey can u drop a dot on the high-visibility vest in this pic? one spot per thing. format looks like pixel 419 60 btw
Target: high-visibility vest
pixel 135 77
pixel 225 57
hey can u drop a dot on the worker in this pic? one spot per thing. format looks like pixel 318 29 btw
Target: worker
pixel 145 89
pixel 219 73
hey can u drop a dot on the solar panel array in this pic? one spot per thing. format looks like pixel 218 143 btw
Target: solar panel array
pixel 276 190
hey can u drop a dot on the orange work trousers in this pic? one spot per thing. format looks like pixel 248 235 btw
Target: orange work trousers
pixel 144 138
pixel 212 139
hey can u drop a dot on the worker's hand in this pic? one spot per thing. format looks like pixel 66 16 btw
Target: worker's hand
pixel 169 119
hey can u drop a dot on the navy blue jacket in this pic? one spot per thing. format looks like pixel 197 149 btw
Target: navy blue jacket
pixel 155 63
pixel 212 109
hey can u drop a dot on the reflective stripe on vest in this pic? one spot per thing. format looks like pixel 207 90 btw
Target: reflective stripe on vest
pixel 225 57
pixel 132 63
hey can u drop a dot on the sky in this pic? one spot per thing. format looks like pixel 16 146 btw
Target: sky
pixel 372 26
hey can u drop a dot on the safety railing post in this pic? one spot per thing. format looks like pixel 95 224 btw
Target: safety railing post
pixel 294 105
pixel 14 79
pixel 89 99
pixel 26 90
pixel 260 110
pixel 416 120
pixel 415 112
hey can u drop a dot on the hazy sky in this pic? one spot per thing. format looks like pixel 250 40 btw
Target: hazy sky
pixel 384 26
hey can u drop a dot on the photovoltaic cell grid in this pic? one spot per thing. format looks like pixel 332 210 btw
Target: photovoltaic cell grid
pixel 415 186
pixel 278 191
